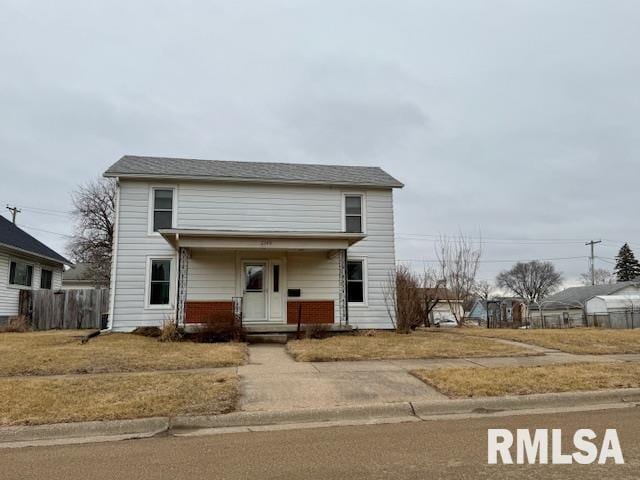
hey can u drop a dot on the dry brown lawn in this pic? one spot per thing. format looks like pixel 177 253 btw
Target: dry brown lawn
pixel 389 345
pixel 38 400
pixel 60 352
pixel 571 340
pixel 490 382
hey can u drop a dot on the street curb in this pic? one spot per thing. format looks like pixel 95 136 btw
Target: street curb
pixel 146 427
pixel 139 426
pixel 522 402
pixel 245 419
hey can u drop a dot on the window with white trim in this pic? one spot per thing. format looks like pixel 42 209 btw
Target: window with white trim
pixel 162 208
pixel 355 281
pixel 160 282
pixel 20 273
pixel 353 213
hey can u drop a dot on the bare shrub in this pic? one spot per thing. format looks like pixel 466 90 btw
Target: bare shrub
pixel 18 323
pixel 403 299
pixel 316 330
pixel 170 331
pixel 219 327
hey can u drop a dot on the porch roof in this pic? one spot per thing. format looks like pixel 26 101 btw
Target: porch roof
pixel 259 239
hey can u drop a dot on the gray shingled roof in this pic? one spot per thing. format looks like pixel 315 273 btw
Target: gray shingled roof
pixel 13 237
pixel 161 167
pixel 579 295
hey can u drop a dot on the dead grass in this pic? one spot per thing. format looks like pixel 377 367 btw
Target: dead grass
pixel 60 352
pixel 388 345
pixel 571 340
pixel 39 400
pixel 481 382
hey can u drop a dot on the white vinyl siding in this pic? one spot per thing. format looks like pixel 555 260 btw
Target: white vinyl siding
pixel 211 276
pixel 316 276
pixel 243 206
pixel 9 293
pixel 134 247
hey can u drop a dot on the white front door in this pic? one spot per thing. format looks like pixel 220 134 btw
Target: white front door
pixel 254 296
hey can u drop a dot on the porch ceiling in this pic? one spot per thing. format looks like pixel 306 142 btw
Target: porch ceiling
pixel 259 240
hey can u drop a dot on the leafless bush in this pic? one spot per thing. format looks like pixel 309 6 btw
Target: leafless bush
pixel 19 323
pixel 170 331
pixel 403 299
pixel 219 327
pixel 316 330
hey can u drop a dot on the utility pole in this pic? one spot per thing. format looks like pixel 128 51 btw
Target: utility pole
pixel 14 211
pixel 593 267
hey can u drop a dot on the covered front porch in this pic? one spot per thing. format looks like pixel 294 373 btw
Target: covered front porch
pixel 268 280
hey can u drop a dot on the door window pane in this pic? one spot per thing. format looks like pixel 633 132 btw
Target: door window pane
pixel 276 278
pixel 254 278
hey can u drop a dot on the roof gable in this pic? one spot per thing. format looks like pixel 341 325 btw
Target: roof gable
pixel 14 237
pixel 260 172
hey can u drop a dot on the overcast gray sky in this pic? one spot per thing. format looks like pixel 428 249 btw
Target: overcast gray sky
pixel 515 120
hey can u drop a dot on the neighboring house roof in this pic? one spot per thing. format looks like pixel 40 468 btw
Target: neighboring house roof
pixel 15 238
pixel 577 296
pixel 78 274
pixel 263 172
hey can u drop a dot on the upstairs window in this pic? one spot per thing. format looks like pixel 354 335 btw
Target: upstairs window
pixel 162 208
pixel 353 213
pixel 45 279
pixel 20 273
pixel 355 281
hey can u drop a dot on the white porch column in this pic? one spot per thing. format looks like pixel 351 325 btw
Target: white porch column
pixel 183 270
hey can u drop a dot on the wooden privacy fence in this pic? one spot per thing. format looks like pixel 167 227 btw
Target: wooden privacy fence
pixel 48 309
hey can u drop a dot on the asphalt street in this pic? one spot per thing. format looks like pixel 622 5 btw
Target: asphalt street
pixel 455 449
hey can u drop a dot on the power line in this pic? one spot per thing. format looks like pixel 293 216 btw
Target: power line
pixel 422 260
pixel 46 231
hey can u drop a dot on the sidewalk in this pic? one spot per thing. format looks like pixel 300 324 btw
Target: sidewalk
pixel 273 381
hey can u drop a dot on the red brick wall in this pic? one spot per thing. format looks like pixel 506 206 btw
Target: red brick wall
pixel 200 312
pixel 312 311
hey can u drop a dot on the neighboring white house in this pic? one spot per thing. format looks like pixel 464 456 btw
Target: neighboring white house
pixel 192 237
pixel 25 263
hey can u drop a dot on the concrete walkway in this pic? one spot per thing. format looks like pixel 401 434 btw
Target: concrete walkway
pixel 273 381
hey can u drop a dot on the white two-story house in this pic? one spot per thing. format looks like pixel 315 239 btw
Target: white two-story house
pixel 275 241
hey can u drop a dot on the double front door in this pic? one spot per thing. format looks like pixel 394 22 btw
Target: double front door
pixel 262 299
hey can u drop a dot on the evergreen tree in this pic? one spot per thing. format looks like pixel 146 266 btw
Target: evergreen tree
pixel 627 267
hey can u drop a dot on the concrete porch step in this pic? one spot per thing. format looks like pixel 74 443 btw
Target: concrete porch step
pixel 267 338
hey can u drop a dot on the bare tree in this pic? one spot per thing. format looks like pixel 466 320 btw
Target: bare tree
pixel 602 277
pixel 431 293
pixel 458 259
pixel 531 281
pixel 94 211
